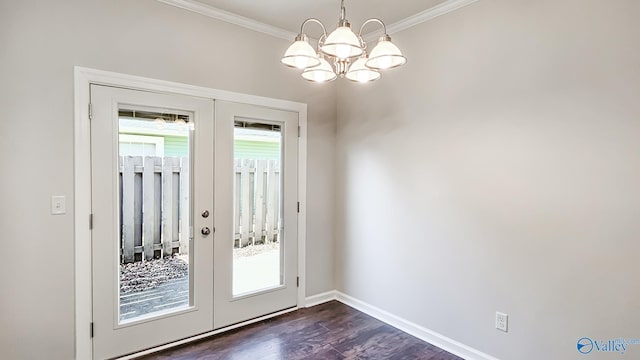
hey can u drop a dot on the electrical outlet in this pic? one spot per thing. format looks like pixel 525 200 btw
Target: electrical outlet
pixel 502 321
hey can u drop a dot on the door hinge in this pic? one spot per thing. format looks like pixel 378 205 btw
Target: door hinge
pixel 298 207
pixel 90 111
pixel 90 221
pixel 299 131
pixel 298 281
pixel 91 330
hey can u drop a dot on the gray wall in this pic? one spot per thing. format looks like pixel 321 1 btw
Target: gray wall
pixel 40 42
pixel 499 170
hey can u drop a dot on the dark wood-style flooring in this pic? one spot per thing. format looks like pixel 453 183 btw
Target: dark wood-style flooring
pixel 328 331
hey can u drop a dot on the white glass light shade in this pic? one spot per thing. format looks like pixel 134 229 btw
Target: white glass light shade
pixel 300 55
pixel 385 55
pixel 159 123
pixel 360 73
pixel 342 43
pixel 321 73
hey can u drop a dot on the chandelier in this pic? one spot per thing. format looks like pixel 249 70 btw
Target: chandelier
pixel 346 50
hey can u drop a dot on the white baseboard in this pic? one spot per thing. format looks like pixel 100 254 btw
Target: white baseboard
pixel 320 298
pixel 422 333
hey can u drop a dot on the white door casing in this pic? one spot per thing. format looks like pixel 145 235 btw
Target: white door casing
pixel 84 78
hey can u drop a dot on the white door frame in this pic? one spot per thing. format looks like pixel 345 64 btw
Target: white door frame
pixel 83 78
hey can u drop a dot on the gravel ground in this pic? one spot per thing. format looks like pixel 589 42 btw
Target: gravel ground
pixel 147 275
pixel 255 249
pixel 141 276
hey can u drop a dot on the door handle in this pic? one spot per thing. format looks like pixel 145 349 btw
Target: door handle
pixel 205 231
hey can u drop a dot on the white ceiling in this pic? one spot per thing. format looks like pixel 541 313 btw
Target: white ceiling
pixel 289 14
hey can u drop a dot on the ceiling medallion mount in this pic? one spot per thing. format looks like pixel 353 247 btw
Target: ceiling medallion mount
pixel 346 50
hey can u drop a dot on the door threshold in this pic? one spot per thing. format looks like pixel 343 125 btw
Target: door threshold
pixel 207 334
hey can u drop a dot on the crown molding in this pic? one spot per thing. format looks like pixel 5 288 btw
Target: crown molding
pixel 210 11
pixel 429 14
pixel 413 20
pixel 423 16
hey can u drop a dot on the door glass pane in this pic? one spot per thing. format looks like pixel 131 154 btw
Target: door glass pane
pixel 257 243
pixel 154 209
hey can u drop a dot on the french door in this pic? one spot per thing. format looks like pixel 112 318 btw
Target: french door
pixel 194 222
pixel 248 287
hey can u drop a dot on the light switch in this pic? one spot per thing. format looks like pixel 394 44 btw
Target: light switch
pixel 58 205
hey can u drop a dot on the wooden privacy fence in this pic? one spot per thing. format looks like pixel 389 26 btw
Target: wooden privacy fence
pixel 154 205
pixel 256 201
